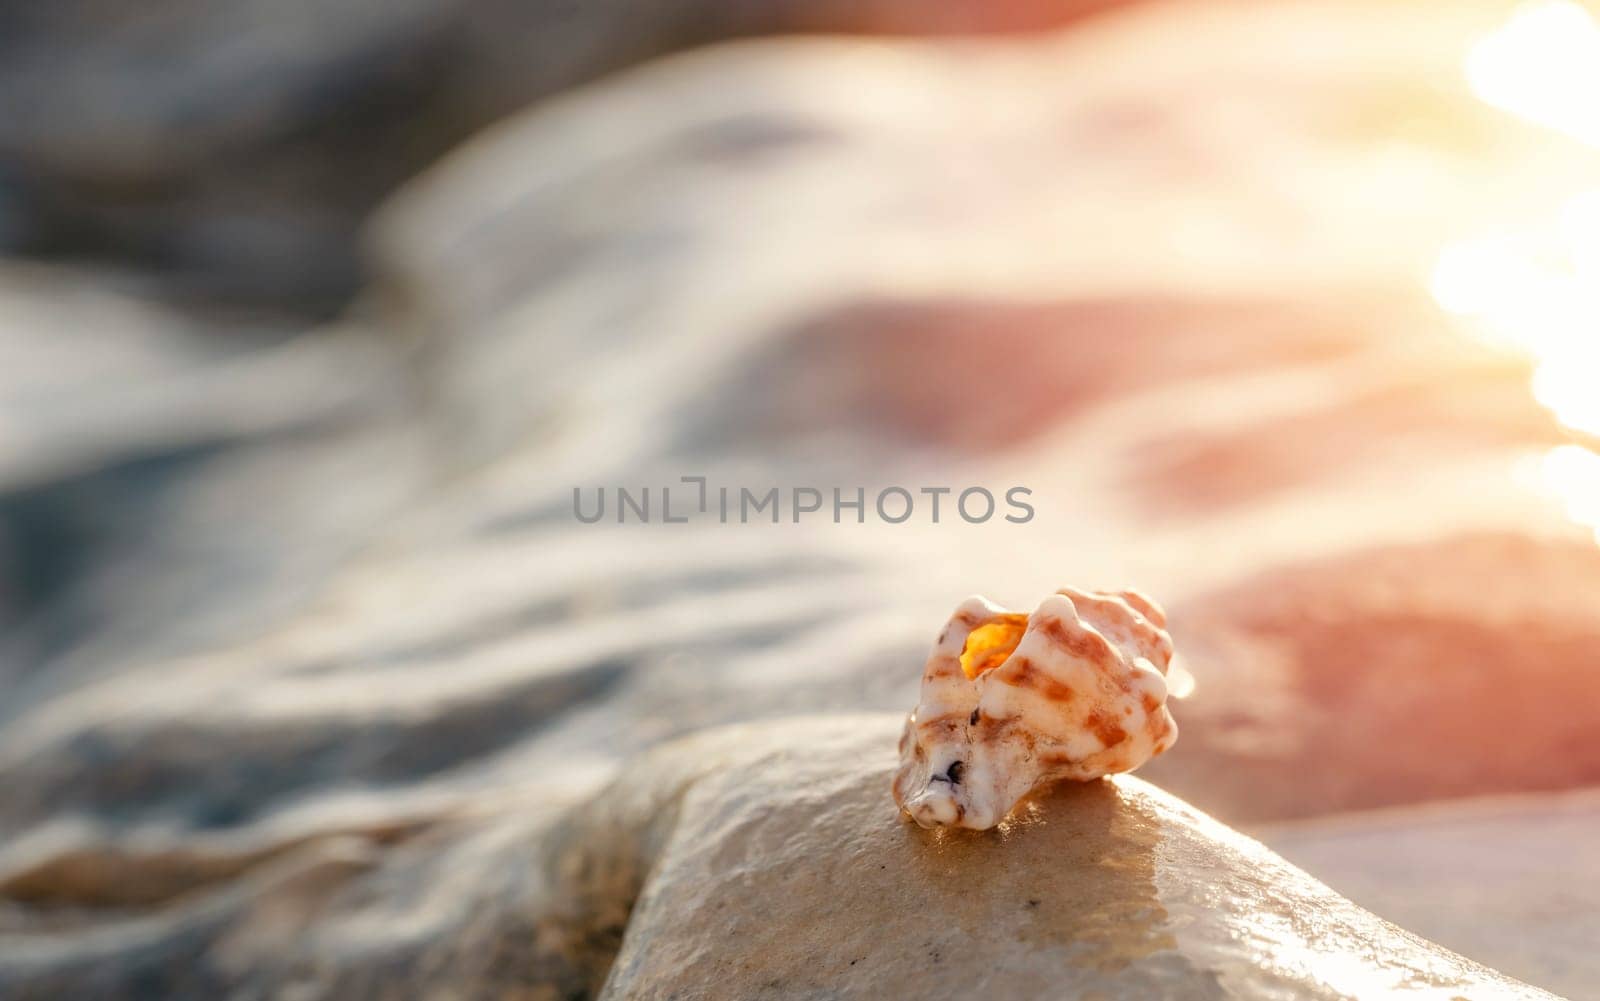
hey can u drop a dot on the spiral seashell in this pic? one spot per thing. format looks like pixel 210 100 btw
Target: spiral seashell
pixel 1011 702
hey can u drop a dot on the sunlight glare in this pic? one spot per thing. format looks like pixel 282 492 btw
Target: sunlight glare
pixel 1572 474
pixel 1543 66
pixel 1536 291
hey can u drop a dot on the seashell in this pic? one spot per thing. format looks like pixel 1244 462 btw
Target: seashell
pixel 1011 702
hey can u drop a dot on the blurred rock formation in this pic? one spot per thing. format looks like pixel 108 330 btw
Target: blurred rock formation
pixel 234 148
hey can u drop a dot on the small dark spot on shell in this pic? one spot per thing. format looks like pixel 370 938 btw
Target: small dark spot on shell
pixel 1033 901
pixel 954 772
pixel 973 719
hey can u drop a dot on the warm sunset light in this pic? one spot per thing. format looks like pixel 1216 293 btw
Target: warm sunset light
pixel 1544 66
pixel 1537 290
pixel 885 500
pixel 1573 474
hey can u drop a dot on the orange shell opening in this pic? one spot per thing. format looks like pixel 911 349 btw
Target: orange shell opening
pixel 990 644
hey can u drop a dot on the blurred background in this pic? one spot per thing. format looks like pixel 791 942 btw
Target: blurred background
pixel 314 316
